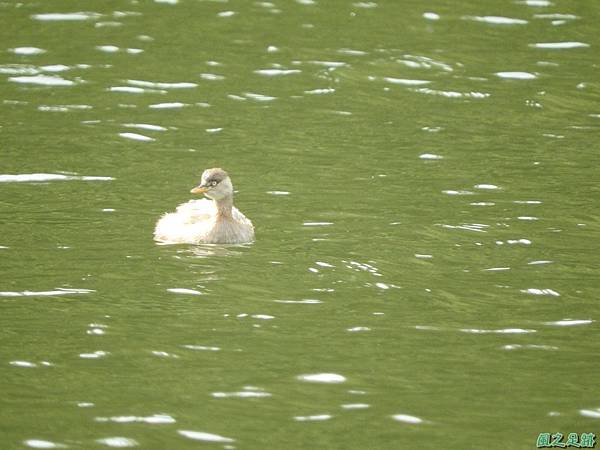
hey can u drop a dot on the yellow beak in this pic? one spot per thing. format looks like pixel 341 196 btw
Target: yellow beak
pixel 199 190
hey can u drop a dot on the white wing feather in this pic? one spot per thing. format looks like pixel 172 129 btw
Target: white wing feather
pixel 194 222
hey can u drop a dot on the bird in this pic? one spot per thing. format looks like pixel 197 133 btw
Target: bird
pixel 212 220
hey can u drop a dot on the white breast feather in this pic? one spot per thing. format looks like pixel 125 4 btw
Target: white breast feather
pixel 196 222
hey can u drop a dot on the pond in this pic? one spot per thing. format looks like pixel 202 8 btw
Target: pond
pixel 423 179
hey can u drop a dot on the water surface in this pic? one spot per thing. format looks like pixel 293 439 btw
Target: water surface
pixel 423 180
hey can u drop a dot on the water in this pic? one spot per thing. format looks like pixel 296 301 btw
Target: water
pixel 423 179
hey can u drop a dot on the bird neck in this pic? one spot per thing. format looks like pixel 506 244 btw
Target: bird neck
pixel 224 207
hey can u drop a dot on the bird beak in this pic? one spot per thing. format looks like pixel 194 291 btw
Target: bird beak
pixel 199 190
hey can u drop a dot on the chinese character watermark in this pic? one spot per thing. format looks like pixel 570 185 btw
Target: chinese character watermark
pixel 555 440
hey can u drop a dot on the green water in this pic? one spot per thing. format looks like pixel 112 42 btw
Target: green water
pixel 426 229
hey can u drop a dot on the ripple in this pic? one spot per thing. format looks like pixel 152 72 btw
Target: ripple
pixel 241 394
pixel 477 227
pixel 38 443
pixel 452 94
pixel 18 69
pixel 276 72
pixel 515 241
pixel 172 105
pixel 262 316
pixel 330 64
pixel 352 52
pixel 355 406
pixel 126 13
pixel 570 322
pixel 431 16
pixel 317 224
pixel 205 437
pixel 313 418
pixel 97 329
pixel 358 329
pixel 162 85
pixel 145 126
pixel 320 91
pixel 559 45
pixel 45 293
pixel 358 267
pixel 453 192
pixel 118 442
pixel 322 378
pixel 162 354
pixel 44 80
pixel 496 20
pixel 107 48
pixel 211 77
pixel 516 75
pixel 556 16
pixel 135 90
pixel 366 5
pixel 97 354
pixel 184 291
pixel 486 186
pixel 259 97
pixel 500 331
pixel 137 137
pixel 406 82
pixel 424 62
pixel 528 346
pixel 591 413
pixel 430 156
pixel 307 301
pixel 407 419
pixel 278 192
pixel 27 364
pixel 108 23
pixel 27 51
pixel 55 68
pixel 43 177
pixel 528 218
pixel 202 348
pixel 63 108
pixel 74 16
pixel 536 3
pixel 323 264
pixel 535 291
pixel 85 405
pixel 156 419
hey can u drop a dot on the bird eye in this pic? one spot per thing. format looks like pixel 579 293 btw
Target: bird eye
pixel 213 183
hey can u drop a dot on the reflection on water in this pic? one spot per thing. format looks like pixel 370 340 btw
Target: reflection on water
pixel 214 250
pixel 206 437
pixel 425 203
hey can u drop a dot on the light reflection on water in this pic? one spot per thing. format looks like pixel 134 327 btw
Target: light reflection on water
pixel 424 203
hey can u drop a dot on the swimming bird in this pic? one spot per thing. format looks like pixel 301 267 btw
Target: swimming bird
pixel 207 221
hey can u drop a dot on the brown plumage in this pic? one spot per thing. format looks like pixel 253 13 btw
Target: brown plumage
pixel 214 221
